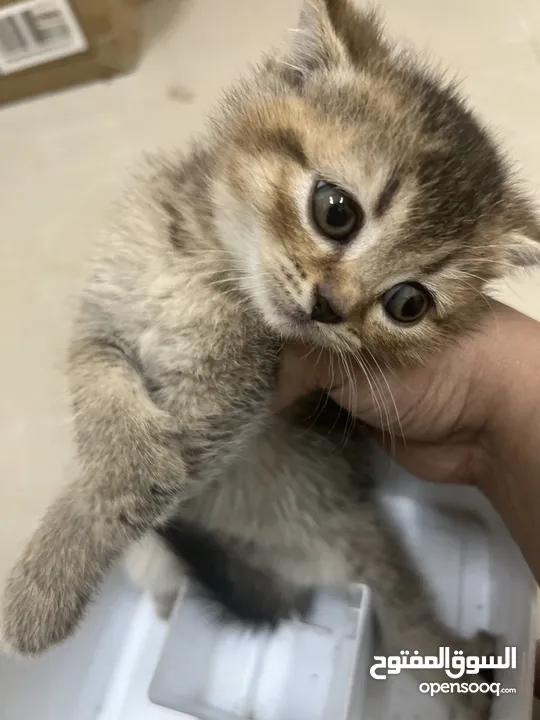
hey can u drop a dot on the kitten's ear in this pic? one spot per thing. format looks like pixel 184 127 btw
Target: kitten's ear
pixel 524 241
pixel 332 33
pixel 524 251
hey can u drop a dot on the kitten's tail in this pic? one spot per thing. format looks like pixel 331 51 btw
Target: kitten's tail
pixel 252 595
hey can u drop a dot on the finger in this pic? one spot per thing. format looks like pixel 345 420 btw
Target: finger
pixel 371 396
pixel 296 375
pixel 442 463
pixel 303 369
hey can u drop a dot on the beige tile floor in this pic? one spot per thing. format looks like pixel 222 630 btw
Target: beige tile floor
pixel 63 157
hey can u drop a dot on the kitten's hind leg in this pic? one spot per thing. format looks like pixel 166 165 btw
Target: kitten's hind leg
pixel 407 613
pixel 416 628
pixel 152 567
pixel 131 472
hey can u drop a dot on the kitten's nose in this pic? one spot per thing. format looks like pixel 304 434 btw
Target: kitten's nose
pixel 323 311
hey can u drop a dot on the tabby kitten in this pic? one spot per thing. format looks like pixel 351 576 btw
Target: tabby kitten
pixel 343 195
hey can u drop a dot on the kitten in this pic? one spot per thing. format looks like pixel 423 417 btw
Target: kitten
pixel 343 195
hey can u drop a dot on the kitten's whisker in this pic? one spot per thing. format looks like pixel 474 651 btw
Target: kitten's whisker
pixel 352 394
pixel 338 359
pixel 476 290
pixel 376 391
pixel 392 398
pixel 318 412
pixel 332 375
pixel 372 391
pixel 300 31
pixel 296 68
pixel 343 362
pixel 389 425
pixel 305 357
pixel 471 275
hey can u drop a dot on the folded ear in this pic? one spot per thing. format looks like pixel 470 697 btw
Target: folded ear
pixel 524 241
pixel 525 251
pixel 332 33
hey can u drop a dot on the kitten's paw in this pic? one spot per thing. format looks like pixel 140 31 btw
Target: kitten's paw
pixel 37 614
pixel 49 588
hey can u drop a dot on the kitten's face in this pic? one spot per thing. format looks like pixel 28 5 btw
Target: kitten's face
pixel 365 205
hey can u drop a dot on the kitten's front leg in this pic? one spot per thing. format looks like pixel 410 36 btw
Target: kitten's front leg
pixel 137 462
pixel 130 474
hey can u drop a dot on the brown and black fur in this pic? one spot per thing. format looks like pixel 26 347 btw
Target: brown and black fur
pixel 193 292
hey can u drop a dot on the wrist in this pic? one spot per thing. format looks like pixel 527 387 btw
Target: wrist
pixel 510 475
pixel 509 353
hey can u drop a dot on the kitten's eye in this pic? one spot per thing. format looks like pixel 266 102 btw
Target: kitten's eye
pixel 335 214
pixel 407 302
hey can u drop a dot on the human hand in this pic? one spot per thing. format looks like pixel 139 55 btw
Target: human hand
pixel 432 417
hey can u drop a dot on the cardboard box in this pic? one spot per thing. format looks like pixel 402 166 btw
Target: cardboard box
pixel 46 45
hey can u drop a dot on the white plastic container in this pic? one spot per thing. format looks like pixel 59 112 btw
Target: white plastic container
pixel 126 664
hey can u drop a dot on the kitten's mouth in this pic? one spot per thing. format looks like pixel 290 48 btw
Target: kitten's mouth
pixel 293 322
